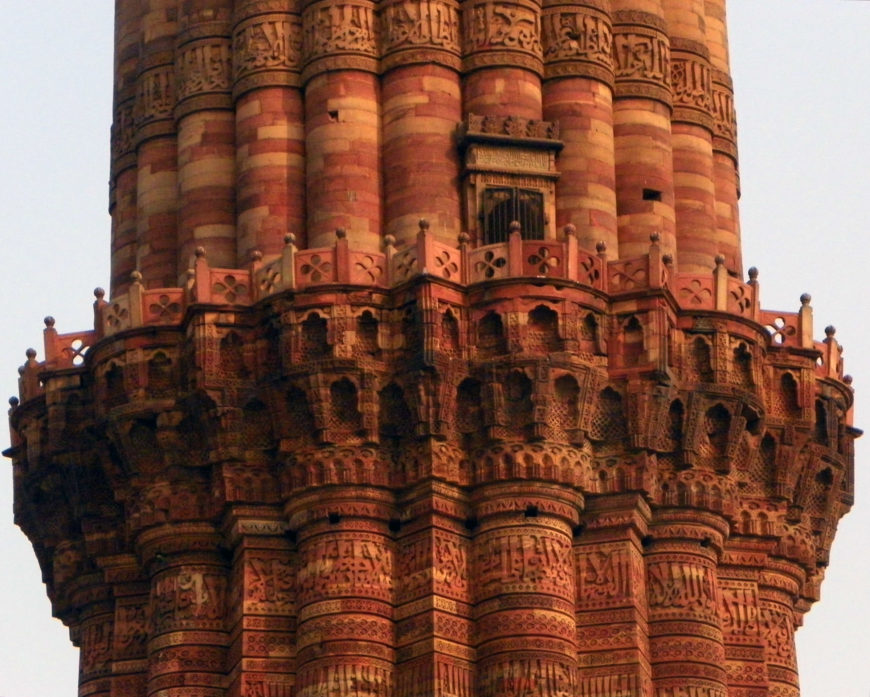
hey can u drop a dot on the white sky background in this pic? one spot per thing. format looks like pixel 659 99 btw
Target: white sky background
pixel 802 75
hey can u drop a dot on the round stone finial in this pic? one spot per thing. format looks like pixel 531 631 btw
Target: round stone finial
pixel 830 330
pixel 848 379
pixel 654 237
pixel 289 238
pixel 806 298
pixel 340 233
pixel 21 370
pixel 424 224
pixel 515 226
pixel 601 246
pixel 753 273
pixel 720 259
pixel 389 240
pixel 136 276
pixel 463 238
pixel 570 230
pixel 99 293
pixel 256 255
pixel 668 259
pixel 13 401
pixel 199 252
pixel 30 353
pixel 49 322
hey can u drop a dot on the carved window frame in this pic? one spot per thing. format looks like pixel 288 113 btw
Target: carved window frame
pixel 508 153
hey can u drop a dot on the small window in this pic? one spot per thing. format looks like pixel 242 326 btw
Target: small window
pixel 503 205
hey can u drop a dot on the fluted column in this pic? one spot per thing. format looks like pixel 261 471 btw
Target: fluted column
pixel 739 575
pixel 612 617
pixel 342 121
pixel 262 622
pixel 578 94
pixel 187 641
pixel 685 630
pixel 778 592
pixel 434 628
pixel 726 175
pixel 130 629
pixel 422 104
pixel 502 59
pixel 692 137
pixel 270 125
pixel 206 136
pixel 524 589
pixel 346 572
pixel 128 99
pixel 157 171
pixel 642 127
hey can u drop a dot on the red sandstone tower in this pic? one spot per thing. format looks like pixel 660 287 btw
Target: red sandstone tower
pixel 429 368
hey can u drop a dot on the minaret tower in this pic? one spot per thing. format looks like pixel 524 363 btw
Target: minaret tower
pixel 429 367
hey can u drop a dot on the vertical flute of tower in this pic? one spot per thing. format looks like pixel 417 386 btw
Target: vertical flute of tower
pixel 270 137
pixel 421 105
pixel 262 623
pixel 342 121
pixel 502 61
pixel 187 639
pixel 612 622
pixel 685 631
pixel 778 591
pixel 524 596
pixel 642 126
pixel 578 94
pixel 157 156
pixel 434 637
pixel 739 574
pixel 344 591
pixel 691 137
pixel 726 176
pixel 128 107
pixel 206 135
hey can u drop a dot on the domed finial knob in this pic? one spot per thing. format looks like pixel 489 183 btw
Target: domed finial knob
pixel 13 401
pixel 806 298
pixel 753 273
pixel 200 252
pixel 424 224
pixel 720 259
pixel 30 353
pixel 601 246
pixel 463 238
pixel 256 255
pixel 340 233
pixel 49 322
pixel 136 276
pixel 668 259
pixel 654 237
pixel 848 379
pixel 289 238
pixel 389 240
pixel 515 226
pixel 99 293
pixel 570 230
pixel 830 330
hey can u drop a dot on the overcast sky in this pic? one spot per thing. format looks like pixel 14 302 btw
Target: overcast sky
pixel 802 73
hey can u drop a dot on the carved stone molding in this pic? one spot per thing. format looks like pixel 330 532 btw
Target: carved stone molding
pixel 339 35
pixel 577 42
pixel 267 51
pixel 420 31
pixel 641 56
pixel 503 34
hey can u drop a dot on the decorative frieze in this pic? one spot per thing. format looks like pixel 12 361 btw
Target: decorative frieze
pixel 339 35
pixel 267 51
pixel 577 41
pixel 502 34
pixel 641 56
pixel 420 31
